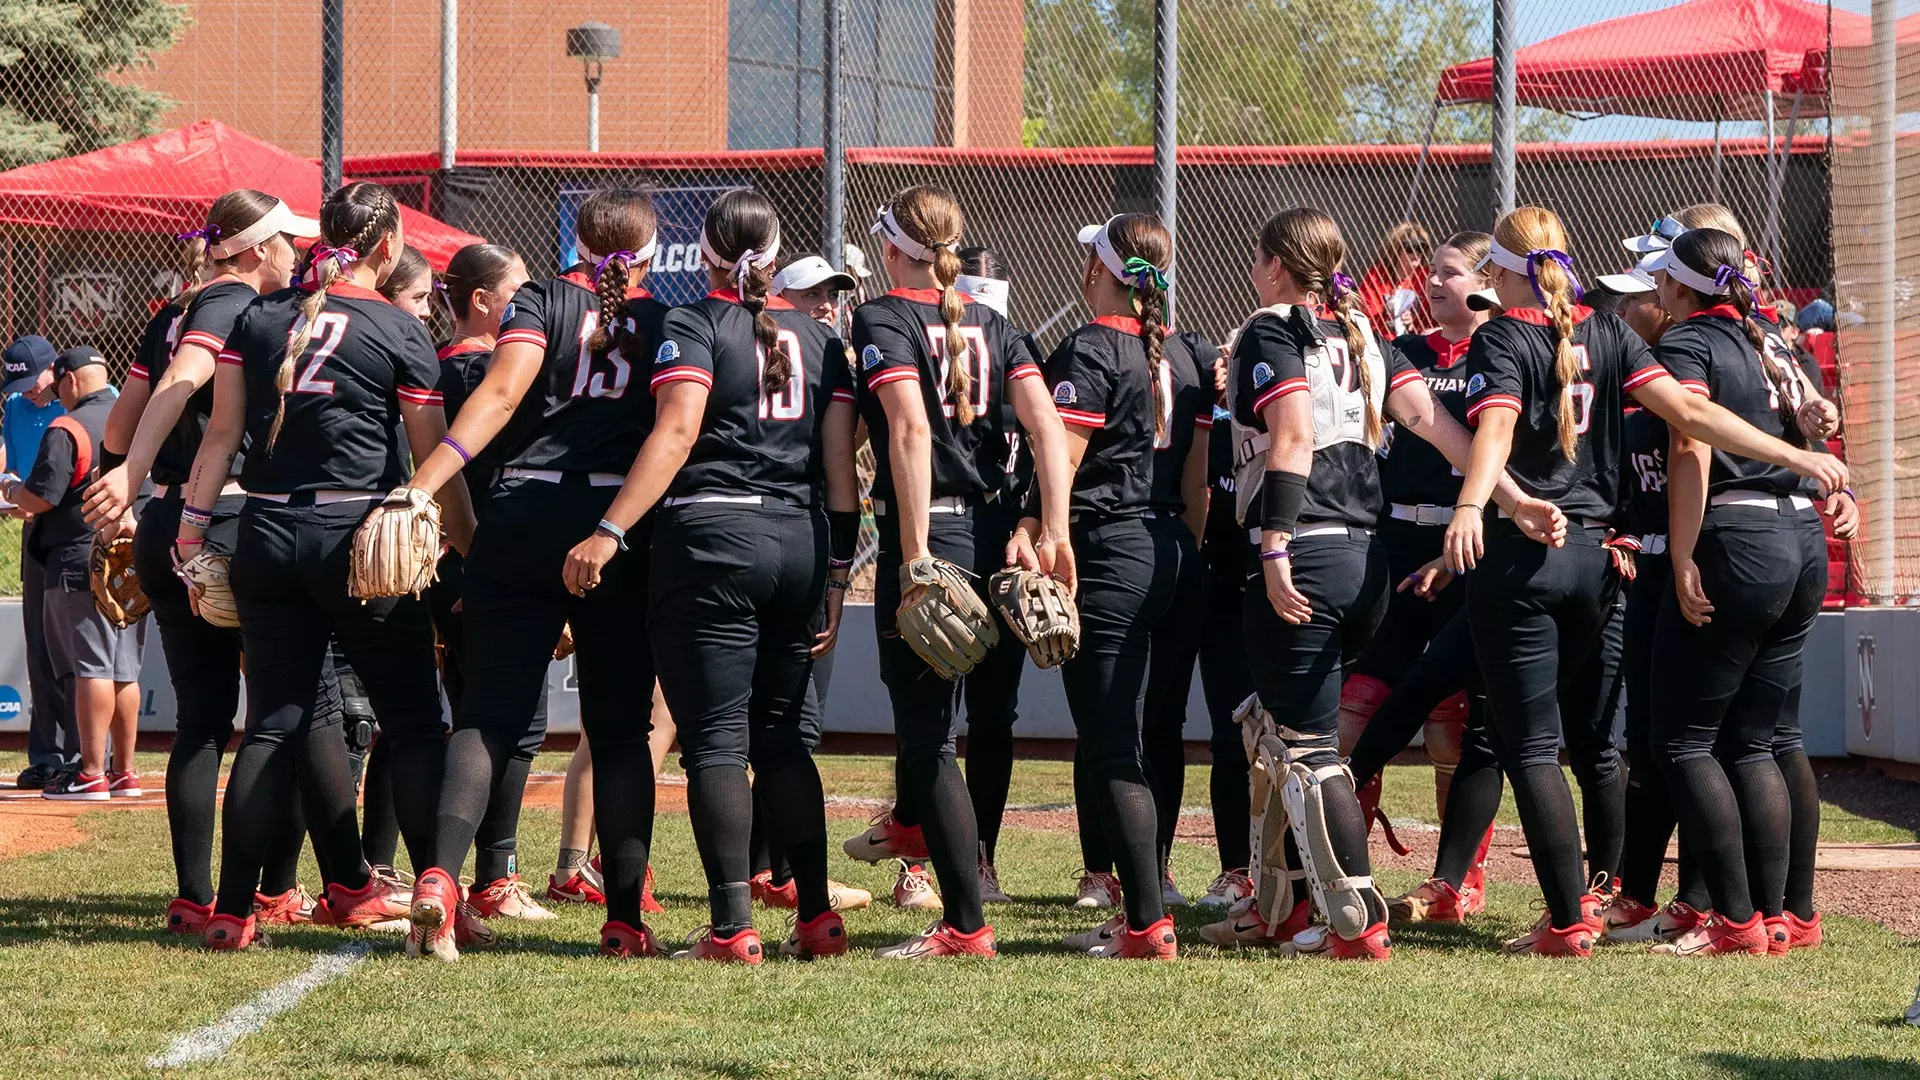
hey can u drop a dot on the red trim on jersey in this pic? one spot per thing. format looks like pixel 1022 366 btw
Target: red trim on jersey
pixel 1403 379
pixel 1024 371
pixel 1119 322
pixel 227 357
pixel 1697 387
pixel 1768 312
pixel 461 348
pixel 1492 401
pixel 418 395
pixel 1083 419
pixel 207 341
pixel 882 378
pixel 843 395
pixel 1539 316
pixel 139 371
pixel 1644 376
pixel 927 296
pixel 1204 421
pixel 1724 311
pixel 683 373
pixel 774 303
pixel 522 336
pixel 1447 353
pixel 1279 391
pixel 585 282
pixel 347 290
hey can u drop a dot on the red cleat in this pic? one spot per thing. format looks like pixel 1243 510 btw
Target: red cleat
pixel 767 894
pixel 940 940
pixel 620 940
pixel 1245 926
pixel 1156 942
pixel 742 948
pixel 1473 887
pixel 436 906
pixel 1802 934
pixel 577 889
pixel 507 898
pixel 186 917
pixel 1372 944
pixel 825 935
pixel 378 902
pixel 887 839
pixel 1369 796
pixel 648 905
pixel 291 908
pixel 1433 900
pixel 1547 940
pixel 227 933
pixel 1718 937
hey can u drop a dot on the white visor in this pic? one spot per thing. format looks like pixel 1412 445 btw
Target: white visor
pixel 747 258
pixel 809 272
pixel 277 220
pixel 1095 237
pixel 1484 300
pixel 992 292
pixel 1659 238
pixel 1687 275
pixel 889 230
pixel 1504 259
pixel 645 253
pixel 1637 280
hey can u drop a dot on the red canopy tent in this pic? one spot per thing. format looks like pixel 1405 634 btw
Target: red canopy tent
pixel 165 183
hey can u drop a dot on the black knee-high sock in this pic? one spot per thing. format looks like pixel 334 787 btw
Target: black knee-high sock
pixel 905 811
pixel 496 842
pixel 1095 855
pixel 1603 812
pixel 256 805
pixel 1649 826
pixel 1347 832
pixel 1693 879
pixel 1472 803
pixel 326 776
pixel 1165 755
pixel 380 836
pixel 1232 806
pixel 193 774
pixel 281 869
pixel 796 824
pixel 1710 828
pixel 720 804
pixel 1803 838
pixel 472 760
pixel 1301 890
pixel 1127 821
pixel 762 854
pixel 1765 821
pixel 417 767
pixel 989 778
pixel 1553 838
pixel 623 818
pixel 953 843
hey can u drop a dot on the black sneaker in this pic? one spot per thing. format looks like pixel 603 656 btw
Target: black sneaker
pixel 35 777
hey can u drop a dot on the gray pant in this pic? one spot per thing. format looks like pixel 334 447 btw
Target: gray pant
pixel 49 698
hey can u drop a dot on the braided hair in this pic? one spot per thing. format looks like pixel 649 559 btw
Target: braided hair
pixel 1534 228
pixel 230 215
pixel 1711 253
pixel 932 216
pixel 1144 237
pixel 354 218
pixel 739 222
pixel 614 223
pixel 1308 245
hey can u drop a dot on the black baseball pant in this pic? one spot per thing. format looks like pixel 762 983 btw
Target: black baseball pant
pixel 1226 682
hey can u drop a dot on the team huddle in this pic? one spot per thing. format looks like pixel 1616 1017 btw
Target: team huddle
pixel 1487 531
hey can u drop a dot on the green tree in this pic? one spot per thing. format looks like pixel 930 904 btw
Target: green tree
pixel 59 93
pixel 1257 72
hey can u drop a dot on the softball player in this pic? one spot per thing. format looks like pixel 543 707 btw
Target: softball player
pixel 322 381
pixel 1224 678
pixel 564 420
pixel 1546 387
pixel 411 286
pixel 244 248
pixel 935 371
pixel 1137 421
pixel 754 432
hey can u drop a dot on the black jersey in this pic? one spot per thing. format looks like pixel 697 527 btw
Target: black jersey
pixel 1292 351
pixel 1510 365
pixel 1100 382
pixel 1710 354
pixel 752 442
pixel 901 336
pixel 587 411
pixel 1189 353
pixel 208 322
pixel 1412 471
pixel 463 365
pixel 342 429
pixel 1226 538
pixel 1644 436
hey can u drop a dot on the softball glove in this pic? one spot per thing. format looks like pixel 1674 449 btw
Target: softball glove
pixel 397 550
pixel 943 619
pixel 207 573
pixel 116 588
pixel 1039 611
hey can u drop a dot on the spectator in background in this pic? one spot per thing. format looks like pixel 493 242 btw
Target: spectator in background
pixel 29 407
pixel 811 284
pixel 1394 292
pixel 98 665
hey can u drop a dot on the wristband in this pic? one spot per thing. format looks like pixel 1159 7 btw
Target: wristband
pixel 196 517
pixel 109 460
pixel 1281 496
pixel 454 444
pixel 618 534
pixel 1277 553
pixel 1469 506
pixel 181 541
pixel 843 537
pixel 1848 492
pixel 840 585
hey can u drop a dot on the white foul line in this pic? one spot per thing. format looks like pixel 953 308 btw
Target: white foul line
pixel 212 1042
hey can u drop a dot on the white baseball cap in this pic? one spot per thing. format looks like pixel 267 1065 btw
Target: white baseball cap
pixel 807 272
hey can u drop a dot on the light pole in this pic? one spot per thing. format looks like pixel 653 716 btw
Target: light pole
pixel 594 43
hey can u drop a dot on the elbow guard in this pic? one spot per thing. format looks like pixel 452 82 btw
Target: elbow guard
pixel 843 537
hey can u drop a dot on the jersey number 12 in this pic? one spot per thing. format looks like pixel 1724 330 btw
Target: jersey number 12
pixel 329 328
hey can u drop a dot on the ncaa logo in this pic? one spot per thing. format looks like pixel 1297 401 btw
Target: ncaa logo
pixel 10 706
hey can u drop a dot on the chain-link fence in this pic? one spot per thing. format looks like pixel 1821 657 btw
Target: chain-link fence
pixel 1039 114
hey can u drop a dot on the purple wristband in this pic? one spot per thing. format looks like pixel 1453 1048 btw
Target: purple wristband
pixel 448 440
pixel 1280 553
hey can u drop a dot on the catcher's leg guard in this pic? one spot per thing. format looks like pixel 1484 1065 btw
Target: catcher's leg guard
pixel 1273 880
pixel 1446 729
pixel 1344 900
pixel 1360 697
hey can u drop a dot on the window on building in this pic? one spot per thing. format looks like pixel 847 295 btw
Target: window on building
pixel 774 75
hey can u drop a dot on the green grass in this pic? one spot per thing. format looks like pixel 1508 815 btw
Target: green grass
pixel 87 986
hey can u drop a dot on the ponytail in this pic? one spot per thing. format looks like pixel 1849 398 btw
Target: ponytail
pixel 1781 377
pixel 1346 311
pixel 1550 278
pixel 232 214
pixel 1153 335
pixel 959 388
pixel 610 285
pixel 753 296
